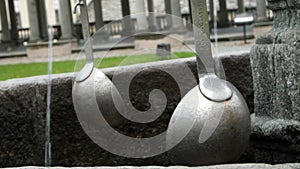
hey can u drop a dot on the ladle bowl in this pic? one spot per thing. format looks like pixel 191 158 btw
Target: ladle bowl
pixel 213 116
pixel 85 92
pixel 90 79
pixel 219 132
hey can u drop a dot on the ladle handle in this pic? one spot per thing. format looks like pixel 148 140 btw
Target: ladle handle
pixel 210 85
pixel 85 29
pixel 202 37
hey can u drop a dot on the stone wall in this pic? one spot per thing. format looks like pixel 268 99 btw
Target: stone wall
pixel 23 107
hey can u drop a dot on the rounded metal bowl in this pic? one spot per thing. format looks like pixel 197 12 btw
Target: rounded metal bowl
pixel 94 95
pixel 216 132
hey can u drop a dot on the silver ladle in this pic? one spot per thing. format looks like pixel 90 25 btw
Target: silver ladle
pixel 89 80
pixel 213 115
pixel 100 108
pixel 88 48
pixel 92 87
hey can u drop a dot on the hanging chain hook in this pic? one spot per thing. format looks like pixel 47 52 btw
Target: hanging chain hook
pixel 78 3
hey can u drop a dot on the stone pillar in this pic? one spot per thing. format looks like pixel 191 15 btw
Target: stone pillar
pixel 101 35
pixel 169 13
pixel 241 7
pixel 151 17
pixel 141 15
pixel 42 16
pixel 65 19
pixel 4 22
pixel 24 14
pixel 13 22
pixel 176 15
pixel 275 60
pixel 211 11
pixel 98 14
pixel 190 25
pixel 223 14
pixel 33 21
pixel 261 10
pixel 127 22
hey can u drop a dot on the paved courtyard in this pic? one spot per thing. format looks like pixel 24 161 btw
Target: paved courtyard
pixel 149 46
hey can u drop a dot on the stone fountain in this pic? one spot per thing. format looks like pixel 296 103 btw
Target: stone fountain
pixel 275 62
pixel 269 83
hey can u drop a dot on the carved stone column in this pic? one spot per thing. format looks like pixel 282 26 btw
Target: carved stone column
pixel 169 13
pixel 98 14
pixel 4 22
pixel 241 7
pixel 101 35
pixel 261 10
pixel 151 17
pixel 65 15
pixel 177 24
pixel 42 16
pixel 223 14
pixel 13 22
pixel 141 16
pixel 211 11
pixel 33 21
pixel 127 22
pixel 275 61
